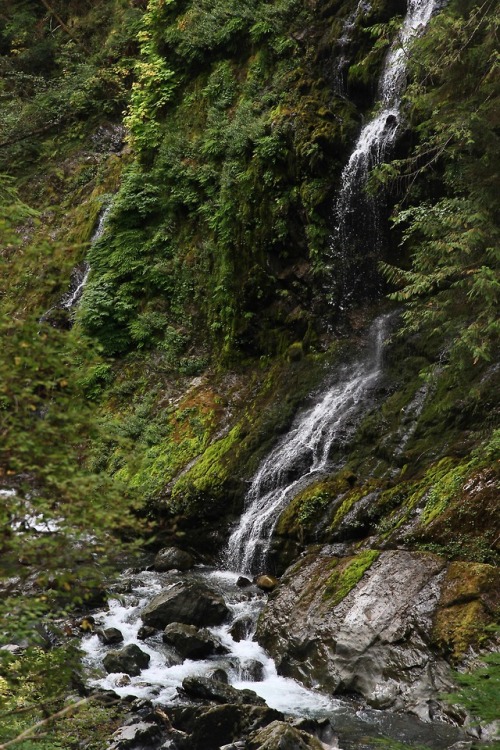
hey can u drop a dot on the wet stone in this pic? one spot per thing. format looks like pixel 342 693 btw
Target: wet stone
pixel 110 636
pixel 190 603
pixel 214 690
pixel 173 558
pixel 192 643
pixel 146 631
pixel 131 660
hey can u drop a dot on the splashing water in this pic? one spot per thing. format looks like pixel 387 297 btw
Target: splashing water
pixel 305 449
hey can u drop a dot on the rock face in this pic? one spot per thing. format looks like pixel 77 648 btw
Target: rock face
pixel 190 642
pixel 130 660
pixel 173 558
pixel 374 639
pixel 190 603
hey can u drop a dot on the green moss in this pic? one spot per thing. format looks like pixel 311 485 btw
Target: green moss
pixel 347 575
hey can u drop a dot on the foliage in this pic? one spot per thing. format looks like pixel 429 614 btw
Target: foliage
pixel 478 690
pixel 452 290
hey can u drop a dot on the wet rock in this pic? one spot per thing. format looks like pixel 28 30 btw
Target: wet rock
pixel 191 603
pixel 136 736
pixel 173 558
pixel 211 727
pixel 131 660
pixel 243 583
pixel 110 636
pixel 220 675
pixel 266 582
pixel 375 641
pixel 279 735
pixel 214 690
pixel 123 681
pixel 240 629
pixel 146 631
pixel 252 671
pixel 192 643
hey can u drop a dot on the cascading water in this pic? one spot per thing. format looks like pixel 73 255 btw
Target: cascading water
pixel 356 215
pixel 306 447
pixel 343 42
pixel 79 277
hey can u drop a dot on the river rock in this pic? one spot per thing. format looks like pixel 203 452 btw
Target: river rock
pixel 214 726
pixel 214 690
pixel 252 670
pixel 281 736
pixel 266 582
pixel 240 629
pixel 110 636
pixel 192 643
pixel 191 603
pixel 141 734
pixel 146 631
pixel 376 641
pixel 173 558
pixel 243 582
pixel 130 660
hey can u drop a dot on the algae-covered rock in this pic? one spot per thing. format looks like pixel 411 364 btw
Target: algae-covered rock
pixel 470 600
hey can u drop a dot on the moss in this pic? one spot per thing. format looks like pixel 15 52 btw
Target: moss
pixel 469 602
pixel 347 575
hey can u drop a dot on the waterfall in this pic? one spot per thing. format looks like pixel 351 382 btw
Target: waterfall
pixel 343 43
pixel 81 273
pixel 305 449
pixel 356 215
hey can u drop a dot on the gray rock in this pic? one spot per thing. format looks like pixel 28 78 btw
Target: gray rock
pixel 220 725
pixel 214 690
pixel 146 631
pixel 191 603
pixel 375 642
pixel 173 558
pixel 279 735
pixel 110 636
pixel 252 670
pixel 138 735
pixel 220 675
pixel 130 660
pixel 240 629
pixel 192 643
pixel 243 582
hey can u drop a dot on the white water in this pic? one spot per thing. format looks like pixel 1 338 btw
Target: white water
pixel 306 448
pixel 380 132
pixel 81 273
pixel 343 42
pixel 161 679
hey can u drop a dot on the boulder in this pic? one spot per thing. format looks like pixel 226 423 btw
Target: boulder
pixel 173 558
pixel 191 603
pixel 220 675
pixel 110 636
pixel 240 629
pixel 130 660
pixel 252 670
pixel 141 734
pixel 266 582
pixel 192 643
pixel 213 726
pixel 279 735
pixel 215 690
pixel 146 631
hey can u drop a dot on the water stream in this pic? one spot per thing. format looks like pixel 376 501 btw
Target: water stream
pixel 305 450
pixel 355 242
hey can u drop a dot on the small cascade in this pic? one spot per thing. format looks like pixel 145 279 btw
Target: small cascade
pixel 356 215
pixel 79 277
pixel 343 42
pixel 303 454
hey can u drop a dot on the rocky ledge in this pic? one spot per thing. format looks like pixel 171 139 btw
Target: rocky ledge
pixel 382 625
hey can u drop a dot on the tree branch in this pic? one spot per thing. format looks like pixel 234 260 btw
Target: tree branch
pixel 28 733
